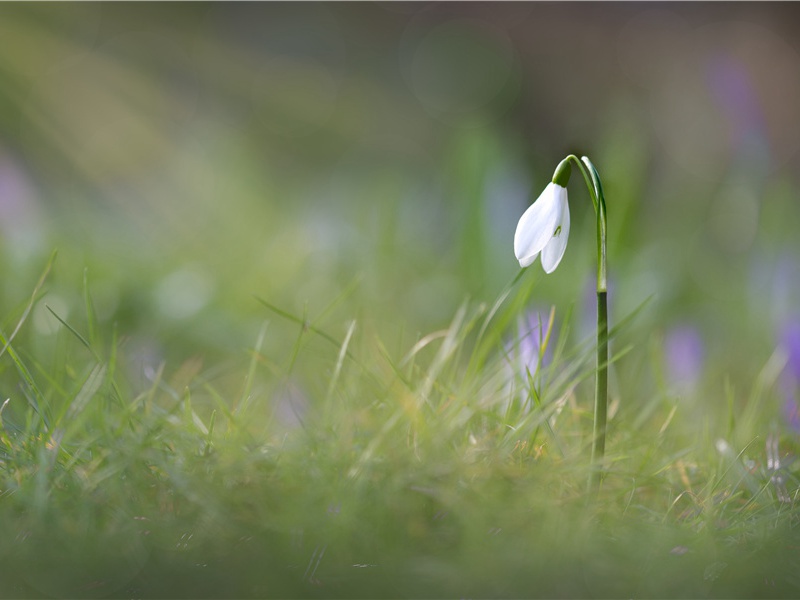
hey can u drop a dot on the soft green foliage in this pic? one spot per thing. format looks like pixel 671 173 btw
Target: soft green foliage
pixel 280 351
pixel 419 474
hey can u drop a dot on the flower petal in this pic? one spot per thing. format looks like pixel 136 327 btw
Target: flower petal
pixel 553 252
pixel 537 224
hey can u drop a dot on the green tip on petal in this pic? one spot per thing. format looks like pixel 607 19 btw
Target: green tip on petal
pixel 563 171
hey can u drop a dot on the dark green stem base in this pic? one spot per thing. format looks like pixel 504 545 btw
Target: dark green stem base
pixel 601 390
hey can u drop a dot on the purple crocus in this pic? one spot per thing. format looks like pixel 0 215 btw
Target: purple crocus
pixel 790 380
pixel 790 341
pixel 531 331
pixel 525 351
pixel 684 353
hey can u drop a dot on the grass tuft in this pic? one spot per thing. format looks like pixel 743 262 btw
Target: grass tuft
pixel 451 469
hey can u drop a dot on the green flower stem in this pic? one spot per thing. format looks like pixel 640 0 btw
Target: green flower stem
pixel 592 180
pixel 600 390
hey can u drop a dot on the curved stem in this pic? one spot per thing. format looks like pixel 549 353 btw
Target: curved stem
pixel 600 209
pixel 586 178
pixel 592 180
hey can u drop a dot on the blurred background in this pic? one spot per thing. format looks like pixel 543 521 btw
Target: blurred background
pixel 370 161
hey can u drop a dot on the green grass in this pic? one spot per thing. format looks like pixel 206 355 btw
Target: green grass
pixel 333 466
pixel 278 354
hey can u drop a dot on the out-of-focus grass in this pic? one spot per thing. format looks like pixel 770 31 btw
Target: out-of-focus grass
pixel 277 354
pixel 439 471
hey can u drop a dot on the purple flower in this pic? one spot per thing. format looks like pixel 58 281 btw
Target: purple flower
pixel 684 353
pixel 790 380
pixel 525 352
pixel 20 219
pixel 530 336
pixel 790 341
pixel 732 87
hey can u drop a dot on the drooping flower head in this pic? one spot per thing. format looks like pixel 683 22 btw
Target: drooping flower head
pixel 544 227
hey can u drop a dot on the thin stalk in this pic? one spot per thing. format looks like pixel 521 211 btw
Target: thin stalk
pixel 592 180
pixel 600 391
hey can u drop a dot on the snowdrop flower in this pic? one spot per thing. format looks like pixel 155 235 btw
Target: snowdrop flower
pixel 544 227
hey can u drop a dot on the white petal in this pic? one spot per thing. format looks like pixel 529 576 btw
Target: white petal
pixel 537 224
pixel 553 252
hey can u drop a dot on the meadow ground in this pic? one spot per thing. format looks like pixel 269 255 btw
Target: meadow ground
pixel 458 467
pixel 263 333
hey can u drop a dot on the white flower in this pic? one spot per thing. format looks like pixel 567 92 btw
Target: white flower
pixel 544 228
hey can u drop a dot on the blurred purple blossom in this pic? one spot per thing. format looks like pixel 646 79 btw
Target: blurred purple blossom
pixel 531 331
pixel 20 221
pixel 790 341
pixel 783 280
pixel 732 88
pixel 524 352
pixel 684 353
pixel 790 380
